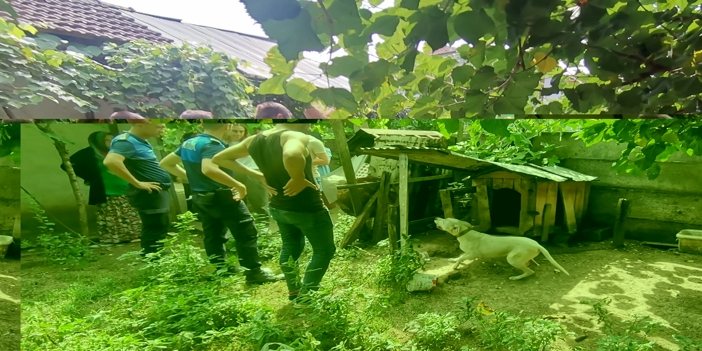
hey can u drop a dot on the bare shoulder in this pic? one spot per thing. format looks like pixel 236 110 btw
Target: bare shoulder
pixel 289 135
pixel 247 142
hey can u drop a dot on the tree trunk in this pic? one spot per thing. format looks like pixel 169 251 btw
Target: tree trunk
pixel 77 193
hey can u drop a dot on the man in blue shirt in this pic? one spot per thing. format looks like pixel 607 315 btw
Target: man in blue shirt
pixel 217 200
pixel 132 158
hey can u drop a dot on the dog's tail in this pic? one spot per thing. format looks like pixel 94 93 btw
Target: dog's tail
pixel 550 259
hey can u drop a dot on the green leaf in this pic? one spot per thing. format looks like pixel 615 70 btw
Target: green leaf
pixel 484 78
pixel 474 102
pixel 344 66
pixel 274 85
pixel 383 25
pixel 447 126
pixel 336 97
pixel 294 35
pixel 462 74
pixel 473 25
pixel 630 98
pixel 278 64
pixel 653 172
pixel 499 127
pixel 345 15
pixel 300 89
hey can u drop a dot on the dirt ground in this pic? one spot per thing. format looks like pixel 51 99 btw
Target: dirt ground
pixel 663 284
pixel 9 305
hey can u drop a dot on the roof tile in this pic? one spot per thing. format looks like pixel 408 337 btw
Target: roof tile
pixel 83 17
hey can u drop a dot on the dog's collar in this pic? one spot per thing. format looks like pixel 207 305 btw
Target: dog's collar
pixel 463 232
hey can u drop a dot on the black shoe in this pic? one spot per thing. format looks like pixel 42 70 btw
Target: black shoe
pixel 262 276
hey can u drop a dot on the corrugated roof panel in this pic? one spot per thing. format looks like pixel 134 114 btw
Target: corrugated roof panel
pixel 453 160
pixel 568 173
pixel 249 49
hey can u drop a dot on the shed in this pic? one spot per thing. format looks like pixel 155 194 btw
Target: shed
pixel 514 199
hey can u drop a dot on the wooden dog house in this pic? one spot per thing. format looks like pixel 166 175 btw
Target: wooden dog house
pixel 542 193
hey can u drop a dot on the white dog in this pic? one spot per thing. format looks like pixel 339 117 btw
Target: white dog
pixel 518 250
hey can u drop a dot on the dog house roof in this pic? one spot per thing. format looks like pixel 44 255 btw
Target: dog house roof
pixel 368 138
pixel 453 160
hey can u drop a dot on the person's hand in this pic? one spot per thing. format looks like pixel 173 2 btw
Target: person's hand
pixel 239 192
pixel 149 186
pixel 271 190
pixel 296 186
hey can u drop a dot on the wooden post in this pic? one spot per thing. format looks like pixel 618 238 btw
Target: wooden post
pixel 446 203
pixel 483 205
pixel 404 201
pixel 547 221
pixel 392 228
pixel 360 221
pixel 568 196
pixel 461 130
pixel 619 230
pixel 346 164
pixel 381 210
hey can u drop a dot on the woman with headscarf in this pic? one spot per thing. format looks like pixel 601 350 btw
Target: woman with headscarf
pixel 118 222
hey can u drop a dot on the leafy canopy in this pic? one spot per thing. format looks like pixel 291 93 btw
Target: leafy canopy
pixel 155 79
pixel 511 57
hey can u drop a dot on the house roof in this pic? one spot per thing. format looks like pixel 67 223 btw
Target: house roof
pixel 453 160
pixel 444 51
pixel 82 18
pixel 96 19
pixel 365 138
pixel 247 48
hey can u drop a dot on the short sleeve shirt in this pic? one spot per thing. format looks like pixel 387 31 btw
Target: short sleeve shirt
pixel 192 152
pixel 140 159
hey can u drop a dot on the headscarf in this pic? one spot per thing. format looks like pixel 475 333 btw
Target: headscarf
pixel 97 142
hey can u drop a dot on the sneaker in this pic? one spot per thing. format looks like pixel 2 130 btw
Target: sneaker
pixel 263 276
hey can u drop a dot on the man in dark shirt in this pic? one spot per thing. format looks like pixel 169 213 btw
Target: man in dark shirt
pixel 217 200
pixel 132 158
pixel 282 156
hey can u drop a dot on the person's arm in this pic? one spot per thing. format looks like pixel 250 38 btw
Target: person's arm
pixel 171 163
pixel 227 158
pixel 320 155
pixel 115 163
pixel 313 113
pixel 212 171
pixel 294 154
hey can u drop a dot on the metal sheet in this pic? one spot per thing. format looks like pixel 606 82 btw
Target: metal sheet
pixel 249 49
pixel 568 173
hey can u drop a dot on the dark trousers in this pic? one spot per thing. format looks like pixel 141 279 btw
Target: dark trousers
pixel 218 211
pixel 154 211
pixel 318 228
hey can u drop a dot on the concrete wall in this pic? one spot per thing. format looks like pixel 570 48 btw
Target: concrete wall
pixel 44 179
pixel 9 198
pixel 660 208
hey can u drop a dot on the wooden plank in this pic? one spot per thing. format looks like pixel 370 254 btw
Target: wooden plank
pixel 508 183
pixel 552 198
pixel 381 209
pixel 393 236
pixel 446 203
pixel 579 201
pixel 346 164
pixel 360 221
pixel 619 228
pixel 526 220
pixel 503 175
pixel 549 221
pixel 404 197
pixel 411 180
pixel 568 197
pixel 541 197
pixel 497 183
pixel 531 206
pixel 483 205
